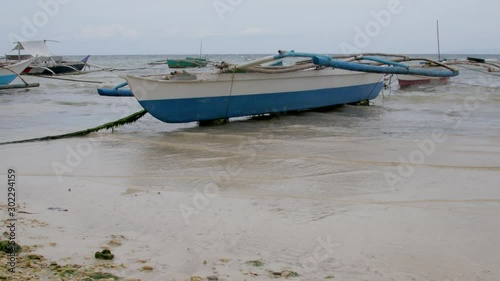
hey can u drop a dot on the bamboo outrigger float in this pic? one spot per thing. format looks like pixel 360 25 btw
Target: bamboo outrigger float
pixel 19 86
pixel 116 91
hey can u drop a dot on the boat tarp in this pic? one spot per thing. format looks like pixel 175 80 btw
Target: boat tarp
pixel 34 48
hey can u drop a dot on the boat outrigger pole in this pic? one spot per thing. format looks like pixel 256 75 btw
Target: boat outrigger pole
pixel 384 66
pixel 377 64
pixel 393 69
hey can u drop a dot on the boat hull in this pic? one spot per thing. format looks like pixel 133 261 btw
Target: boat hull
pixel 5 78
pixel 10 72
pixel 187 63
pixel 411 80
pixel 57 69
pixel 222 96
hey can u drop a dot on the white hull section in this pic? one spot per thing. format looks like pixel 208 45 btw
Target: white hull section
pixel 207 96
pixel 10 72
pixel 216 85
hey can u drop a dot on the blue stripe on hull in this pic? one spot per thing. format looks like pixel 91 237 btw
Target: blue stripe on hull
pixel 6 79
pixel 200 109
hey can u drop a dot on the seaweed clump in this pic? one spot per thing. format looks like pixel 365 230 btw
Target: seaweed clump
pixel 9 248
pixel 104 255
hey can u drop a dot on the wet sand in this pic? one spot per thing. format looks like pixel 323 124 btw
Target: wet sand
pixel 302 193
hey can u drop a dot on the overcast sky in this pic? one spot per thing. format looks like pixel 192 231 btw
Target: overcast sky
pixel 253 26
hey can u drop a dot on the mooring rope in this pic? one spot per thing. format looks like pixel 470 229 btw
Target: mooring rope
pixel 69 79
pixel 127 120
pixel 230 93
pixel 375 86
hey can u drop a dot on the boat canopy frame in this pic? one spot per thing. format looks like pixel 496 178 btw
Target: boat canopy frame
pixel 39 50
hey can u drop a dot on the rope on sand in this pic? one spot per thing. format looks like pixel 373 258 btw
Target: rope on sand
pixel 118 123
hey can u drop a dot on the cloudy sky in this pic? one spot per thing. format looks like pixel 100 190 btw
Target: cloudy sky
pixel 252 26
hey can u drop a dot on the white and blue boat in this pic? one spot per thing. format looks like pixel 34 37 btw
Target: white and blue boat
pixel 208 96
pixel 250 89
pixel 10 72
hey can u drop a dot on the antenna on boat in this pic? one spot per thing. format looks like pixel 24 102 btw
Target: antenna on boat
pixel 439 45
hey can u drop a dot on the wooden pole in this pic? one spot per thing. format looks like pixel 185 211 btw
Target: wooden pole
pixel 19 86
pixel 439 45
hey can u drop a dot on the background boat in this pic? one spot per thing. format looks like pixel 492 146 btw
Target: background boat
pixel 410 80
pixel 188 62
pixel 45 63
pixel 478 64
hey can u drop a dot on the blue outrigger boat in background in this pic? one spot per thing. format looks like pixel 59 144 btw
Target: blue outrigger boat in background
pixel 253 89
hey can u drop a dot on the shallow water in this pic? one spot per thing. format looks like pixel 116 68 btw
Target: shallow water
pixel 299 149
pixel 275 185
pixel 63 106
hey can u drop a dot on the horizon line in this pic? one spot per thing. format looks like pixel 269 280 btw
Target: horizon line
pixel 215 54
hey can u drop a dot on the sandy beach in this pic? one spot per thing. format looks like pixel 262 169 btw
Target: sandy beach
pixel 373 152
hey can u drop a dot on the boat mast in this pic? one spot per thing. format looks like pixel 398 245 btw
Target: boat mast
pixel 19 51
pixel 439 45
pixel 201 48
